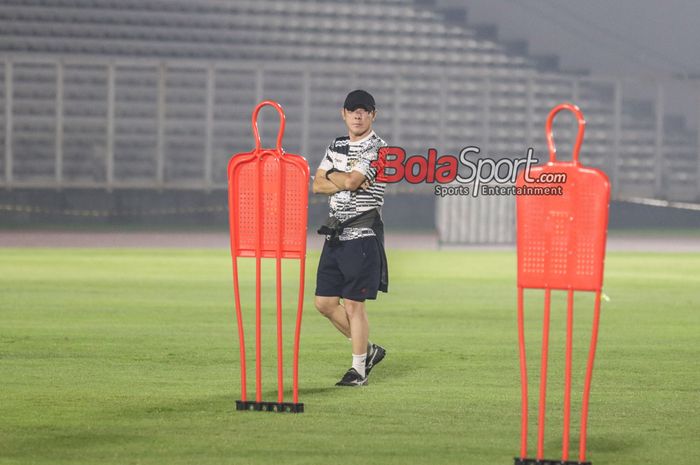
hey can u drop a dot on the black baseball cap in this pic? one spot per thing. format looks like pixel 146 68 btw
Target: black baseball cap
pixel 359 99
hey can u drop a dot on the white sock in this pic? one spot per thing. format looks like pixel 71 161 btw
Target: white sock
pixel 358 363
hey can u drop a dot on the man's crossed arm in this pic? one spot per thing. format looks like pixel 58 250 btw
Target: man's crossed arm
pixel 338 181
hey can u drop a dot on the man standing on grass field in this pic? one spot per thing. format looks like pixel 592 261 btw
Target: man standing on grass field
pixel 353 264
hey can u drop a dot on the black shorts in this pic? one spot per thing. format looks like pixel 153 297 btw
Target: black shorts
pixel 349 269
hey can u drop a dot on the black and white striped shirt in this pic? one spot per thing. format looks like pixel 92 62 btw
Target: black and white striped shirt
pixel 347 156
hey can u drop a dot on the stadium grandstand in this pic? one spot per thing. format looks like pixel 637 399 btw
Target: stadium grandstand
pixel 155 95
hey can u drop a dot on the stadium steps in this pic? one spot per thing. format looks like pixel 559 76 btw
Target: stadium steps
pixel 308 31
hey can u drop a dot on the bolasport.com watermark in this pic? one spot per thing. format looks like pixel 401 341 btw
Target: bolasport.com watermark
pixel 468 174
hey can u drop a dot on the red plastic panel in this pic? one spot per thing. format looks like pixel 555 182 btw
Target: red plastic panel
pixel 561 238
pixel 268 200
pixel 283 182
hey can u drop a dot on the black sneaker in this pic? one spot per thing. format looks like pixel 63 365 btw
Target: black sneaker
pixel 375 354
pixel 352 378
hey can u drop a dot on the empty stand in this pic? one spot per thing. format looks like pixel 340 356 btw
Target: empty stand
pixel 156 93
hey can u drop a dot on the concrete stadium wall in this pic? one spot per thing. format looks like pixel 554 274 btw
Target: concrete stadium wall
pixel 163 208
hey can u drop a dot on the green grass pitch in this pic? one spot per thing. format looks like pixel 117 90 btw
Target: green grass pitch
pixel 131 357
